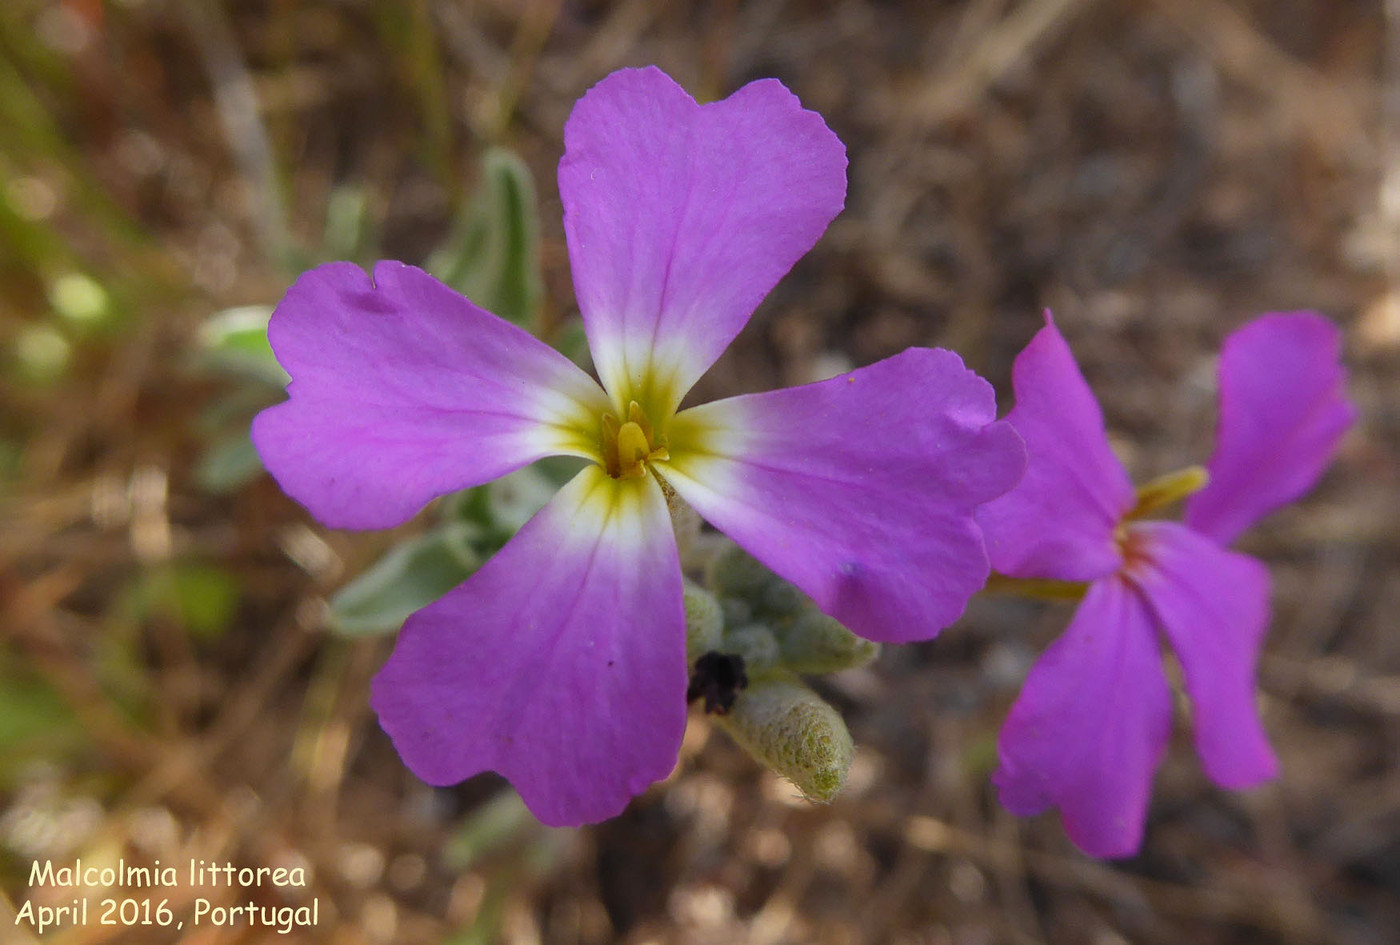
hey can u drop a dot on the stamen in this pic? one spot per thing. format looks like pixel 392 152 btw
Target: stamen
pixel 610 457
pixel 635 415
pixel 627 446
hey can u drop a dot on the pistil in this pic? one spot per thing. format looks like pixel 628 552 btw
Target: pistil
pixel 629 445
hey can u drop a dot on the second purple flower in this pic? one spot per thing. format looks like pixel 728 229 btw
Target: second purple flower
pixel 1091 723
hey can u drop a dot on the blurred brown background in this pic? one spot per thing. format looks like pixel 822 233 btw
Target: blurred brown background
pixel 1156 171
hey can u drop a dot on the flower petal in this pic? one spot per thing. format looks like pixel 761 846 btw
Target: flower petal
pixel 860 490
pixel 1283 409
pixel 1058 523
pixel 402 390
pixel 1091 723
pixel 680 218
pixel 560 664
pixel 1213 605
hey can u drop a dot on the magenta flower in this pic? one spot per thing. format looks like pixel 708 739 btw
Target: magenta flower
pixel 1091 724
pixel 561 662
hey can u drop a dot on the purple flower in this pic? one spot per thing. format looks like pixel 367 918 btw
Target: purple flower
pixel 561 662
pixel 1091 724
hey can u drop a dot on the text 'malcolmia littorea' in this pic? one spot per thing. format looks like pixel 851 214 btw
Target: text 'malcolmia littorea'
pixel 561 662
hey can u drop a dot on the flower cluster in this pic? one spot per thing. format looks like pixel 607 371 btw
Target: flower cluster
pixel 562 662
pixel 1092 721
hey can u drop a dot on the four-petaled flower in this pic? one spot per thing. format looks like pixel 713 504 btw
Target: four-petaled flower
pixel 1092 721
pixel 561 662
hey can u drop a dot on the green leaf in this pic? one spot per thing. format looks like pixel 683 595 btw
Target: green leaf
pixel 228 464
pixel 497 825
pixel 200 597
pixel 472 506
pixel 207 598
pixel 493 255
pixel 234 341
pixel 34 722
pixel 498 509
pixel 503 844
pixel 408 578
pixel 347 231
pixel 571 341
pixel 515 498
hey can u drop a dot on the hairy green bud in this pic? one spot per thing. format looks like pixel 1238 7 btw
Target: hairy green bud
pixel 816 643
pixel 756 644
pixel 781 599
pixel 736 573
pixel 789 728
pixel 736 612
pixel 704 621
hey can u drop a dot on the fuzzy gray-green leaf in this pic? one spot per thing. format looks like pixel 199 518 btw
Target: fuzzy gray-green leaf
pixel 408 578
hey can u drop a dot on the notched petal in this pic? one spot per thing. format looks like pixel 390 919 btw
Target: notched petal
pixel 1058 522
pixel 1091 725
pixel 878 531
pixel 1213 605
pixel 681 217
pixel 560 664
pixel 1283 411
pixel 402 390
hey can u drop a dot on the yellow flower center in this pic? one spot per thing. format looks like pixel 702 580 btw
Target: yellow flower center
pixel 1151 497
pixel 628 445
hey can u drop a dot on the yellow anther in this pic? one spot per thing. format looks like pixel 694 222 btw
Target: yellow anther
pixel 610 430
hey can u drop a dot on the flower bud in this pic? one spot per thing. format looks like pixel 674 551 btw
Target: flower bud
pixel 790 729
pixel 756 644
pixel 781 599
pixel 736 573
pixel 816 643
pixel 704 621
pixel 736 612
